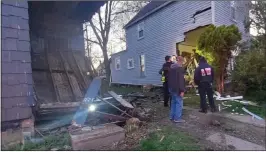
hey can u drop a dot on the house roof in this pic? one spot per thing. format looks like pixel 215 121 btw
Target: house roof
pixel 118 53
pixel 147 10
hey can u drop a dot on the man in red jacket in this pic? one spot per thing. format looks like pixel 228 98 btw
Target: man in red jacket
pixel 176 83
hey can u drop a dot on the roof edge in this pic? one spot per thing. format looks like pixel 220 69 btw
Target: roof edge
pixel 118 52
pixel 149 13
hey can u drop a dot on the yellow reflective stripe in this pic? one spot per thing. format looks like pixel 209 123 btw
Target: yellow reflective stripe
pixel 163 78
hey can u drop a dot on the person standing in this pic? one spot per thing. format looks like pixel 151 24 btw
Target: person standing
pixel 164 73
pixel 176 82
pixel 203 77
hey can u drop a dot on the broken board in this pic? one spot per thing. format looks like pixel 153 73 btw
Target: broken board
pixel 120 99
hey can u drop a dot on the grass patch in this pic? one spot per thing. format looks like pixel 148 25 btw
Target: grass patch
pixel 191 100
pixel 168 139
pixel 49 142
pixel 237 108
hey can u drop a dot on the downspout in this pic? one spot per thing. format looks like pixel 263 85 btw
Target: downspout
pixel 213 12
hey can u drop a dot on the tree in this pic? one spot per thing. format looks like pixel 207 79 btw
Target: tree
pixel 106 20
pixel 219 42
pixel 257 20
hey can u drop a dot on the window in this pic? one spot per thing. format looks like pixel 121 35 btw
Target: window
pixel 141 30
pixel 130 63
pixel 142 65
pixel 233 10
pixel 117 63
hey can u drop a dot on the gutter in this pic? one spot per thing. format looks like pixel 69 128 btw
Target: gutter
pixel 149 13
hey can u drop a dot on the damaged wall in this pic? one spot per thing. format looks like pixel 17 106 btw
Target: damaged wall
pixel 17 95
pixel 58 55
pixel 162 30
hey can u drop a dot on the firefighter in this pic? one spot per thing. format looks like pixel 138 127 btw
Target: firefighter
pixel 203 77
pixel 164 79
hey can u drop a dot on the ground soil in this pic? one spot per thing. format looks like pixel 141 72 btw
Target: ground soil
pixel 194 128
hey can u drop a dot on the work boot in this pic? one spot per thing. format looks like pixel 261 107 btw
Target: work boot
pixel 203 111
pixel 213 110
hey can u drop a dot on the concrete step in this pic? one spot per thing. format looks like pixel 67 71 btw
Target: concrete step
pixel 233 142
pixel 95 138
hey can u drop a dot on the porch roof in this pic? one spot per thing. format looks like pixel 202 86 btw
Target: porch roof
pixel 79 10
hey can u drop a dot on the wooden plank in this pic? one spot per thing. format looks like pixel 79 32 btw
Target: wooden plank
pixel 53 81
pixel 80 71
pixel 60 105
pixel 68 78
pixel 63 87
pixel 120 99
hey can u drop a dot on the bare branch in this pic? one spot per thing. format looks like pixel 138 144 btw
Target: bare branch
pixel 97 35
pixel 101 22
pixel 92 41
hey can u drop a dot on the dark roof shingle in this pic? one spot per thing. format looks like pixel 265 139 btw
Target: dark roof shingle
pixel 146 9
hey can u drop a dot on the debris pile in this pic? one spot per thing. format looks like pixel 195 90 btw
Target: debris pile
pixel 238 99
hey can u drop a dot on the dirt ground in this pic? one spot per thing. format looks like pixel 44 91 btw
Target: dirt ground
pixel 192 126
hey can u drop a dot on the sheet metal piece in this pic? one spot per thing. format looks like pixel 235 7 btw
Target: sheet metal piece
pixel 92 92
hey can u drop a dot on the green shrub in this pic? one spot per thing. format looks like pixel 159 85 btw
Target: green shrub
pixel 249 75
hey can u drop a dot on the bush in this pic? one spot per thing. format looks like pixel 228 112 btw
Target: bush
pixel 249 75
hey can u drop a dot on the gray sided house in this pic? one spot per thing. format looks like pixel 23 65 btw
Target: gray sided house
pixel 42 55
pixel 169 28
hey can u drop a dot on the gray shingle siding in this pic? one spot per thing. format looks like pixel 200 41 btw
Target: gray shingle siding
pixel 162 30
pixel 17 95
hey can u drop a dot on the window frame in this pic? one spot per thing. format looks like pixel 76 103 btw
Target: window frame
pixel 116 60
pixel 133 64
pixel 142 72
pixel 139 29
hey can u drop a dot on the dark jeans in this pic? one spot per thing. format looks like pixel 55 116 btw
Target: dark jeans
pixel 166 93
pixel 206 88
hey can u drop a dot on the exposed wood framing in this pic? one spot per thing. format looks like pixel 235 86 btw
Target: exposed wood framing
pixel 53 81
pixel 80 71
pixel 68 78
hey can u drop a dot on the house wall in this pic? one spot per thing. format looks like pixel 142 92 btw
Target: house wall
pixel 17 92
pixel 165 28
pixel 223 15
pixel 162 30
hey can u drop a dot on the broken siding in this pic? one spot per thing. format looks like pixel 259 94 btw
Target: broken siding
pixel 162 30
pixel 17 92
pixel 223 15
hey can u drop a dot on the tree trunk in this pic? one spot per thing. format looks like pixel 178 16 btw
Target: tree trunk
pixel 106 65
pixel 220 77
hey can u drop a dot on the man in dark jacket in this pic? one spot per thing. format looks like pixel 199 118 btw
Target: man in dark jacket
pixel 176 82
pixel 164 73
pixel 203 77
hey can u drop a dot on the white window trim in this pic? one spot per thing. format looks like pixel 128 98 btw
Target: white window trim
pixel 116 60
pixel 140 27
pixel 233 5
pixel 133 64
pixel 144 64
